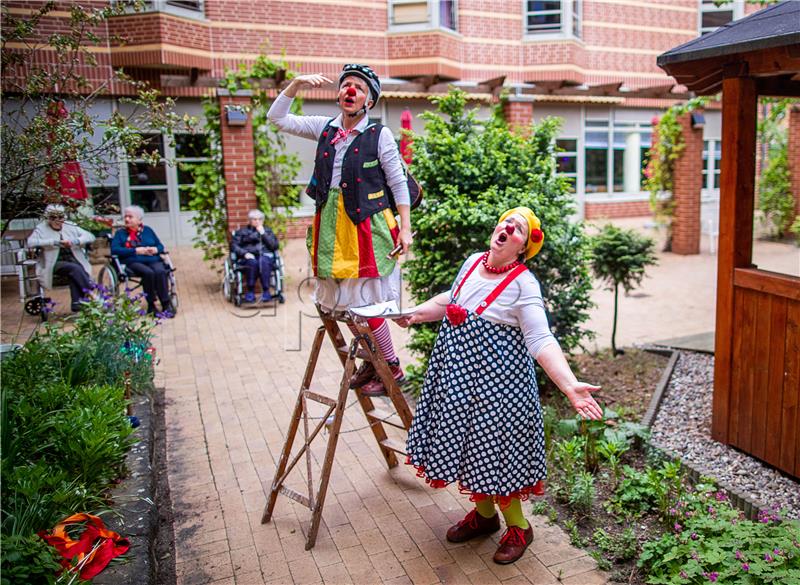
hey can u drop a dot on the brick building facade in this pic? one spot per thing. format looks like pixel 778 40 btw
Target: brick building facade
pixel 591 62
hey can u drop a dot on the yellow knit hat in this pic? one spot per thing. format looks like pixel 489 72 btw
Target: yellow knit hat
pixel 535 234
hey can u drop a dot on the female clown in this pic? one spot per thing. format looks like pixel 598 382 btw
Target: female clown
pixel 358 184
pixel 479 421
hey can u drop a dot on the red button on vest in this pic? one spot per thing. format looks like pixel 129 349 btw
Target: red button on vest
pixel 355 150
pixel 358 210
pixel 358 180
pixel 344 185
pixel 325 154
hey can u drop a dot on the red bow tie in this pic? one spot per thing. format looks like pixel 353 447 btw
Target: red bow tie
pixel 342 134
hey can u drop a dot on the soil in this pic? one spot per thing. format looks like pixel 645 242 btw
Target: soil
pixel 164 547
pixel 628 382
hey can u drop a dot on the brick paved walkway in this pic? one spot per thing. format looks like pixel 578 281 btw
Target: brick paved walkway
pixel 231 378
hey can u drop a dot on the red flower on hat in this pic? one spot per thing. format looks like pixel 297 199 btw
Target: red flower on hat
pixel 456 314
pixel 536 236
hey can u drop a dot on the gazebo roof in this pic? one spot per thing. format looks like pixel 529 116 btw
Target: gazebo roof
pixel 764 44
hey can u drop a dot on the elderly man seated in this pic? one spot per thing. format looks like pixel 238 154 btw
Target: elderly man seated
pixel 62 253
pixel 254 246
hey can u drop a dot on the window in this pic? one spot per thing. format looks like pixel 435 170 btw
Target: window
pixel 148 183
pixel 615 156
pixel 712 155
pixel 190 8
pixel 567 160
pixel 562 17
pixel 422 14
pixel 714 14
pixel 190 151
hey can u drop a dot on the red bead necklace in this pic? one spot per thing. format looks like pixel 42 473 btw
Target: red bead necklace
pixel 495 270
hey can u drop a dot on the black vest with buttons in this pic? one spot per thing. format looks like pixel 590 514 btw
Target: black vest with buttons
pixel 363 183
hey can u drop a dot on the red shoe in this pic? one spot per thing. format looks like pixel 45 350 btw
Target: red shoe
pixel 473 525
pixel 513 544
pixel 376 388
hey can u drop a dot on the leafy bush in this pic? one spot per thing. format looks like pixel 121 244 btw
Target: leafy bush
pixel 795 229
pixel 622 547
pixel 472 171
pixel 775 198
pixel 711 542
pixel 653 488
pixel 28 559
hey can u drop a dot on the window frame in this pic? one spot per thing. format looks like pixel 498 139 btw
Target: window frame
pixel 571 26
pixel 432 23
pixel 736 6
pixel 168 7
pixel 612 126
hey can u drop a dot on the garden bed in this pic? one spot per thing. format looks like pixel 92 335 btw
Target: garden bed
pixel 637 513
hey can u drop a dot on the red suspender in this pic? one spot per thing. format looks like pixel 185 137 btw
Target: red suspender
pixel 497 290
pixel 500 288
pixel 466 276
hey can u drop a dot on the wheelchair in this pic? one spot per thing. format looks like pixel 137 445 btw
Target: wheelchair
pixel 233 279
pixel 114 275
pixel 32 294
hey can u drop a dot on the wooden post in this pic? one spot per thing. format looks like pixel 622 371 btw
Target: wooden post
pixel 737 185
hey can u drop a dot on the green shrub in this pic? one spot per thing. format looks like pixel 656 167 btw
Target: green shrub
pixel 472 171
pixel 775 191
pixel 711 541
pixel 621 547
pixel 28 559
pixel 795 229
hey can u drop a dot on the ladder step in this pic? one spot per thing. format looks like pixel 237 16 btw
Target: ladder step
pixel 384 417
pixel 296 496
pixel 360 353
pixel 319 398
pixel 395 446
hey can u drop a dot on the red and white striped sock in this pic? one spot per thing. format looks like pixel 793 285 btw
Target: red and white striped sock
pixel 380 329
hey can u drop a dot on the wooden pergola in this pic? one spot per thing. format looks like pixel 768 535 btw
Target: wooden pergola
pixel 756 405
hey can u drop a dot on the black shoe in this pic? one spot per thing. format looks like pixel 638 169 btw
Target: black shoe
pixel 75 307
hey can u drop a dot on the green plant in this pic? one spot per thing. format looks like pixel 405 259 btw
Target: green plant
pixel 275 168
pixel 795 229
pixel 711 541
pixel 775 198
pixel 28 559
pixel 472 171
pixel 621 547
pixel 620 257
pixel 582 493
pixel 612 452
pixel 665 151
pixel 652 488
pixel 574 534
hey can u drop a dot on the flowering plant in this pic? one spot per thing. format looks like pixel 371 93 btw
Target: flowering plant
pixel 712 542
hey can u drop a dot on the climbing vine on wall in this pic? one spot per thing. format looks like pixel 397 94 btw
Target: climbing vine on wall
pixel 275 169
pixel 666 150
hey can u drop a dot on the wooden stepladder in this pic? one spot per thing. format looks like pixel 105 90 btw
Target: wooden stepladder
pixel 363 346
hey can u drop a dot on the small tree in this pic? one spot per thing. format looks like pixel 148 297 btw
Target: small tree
pixel 48 101
pixel 620 257
pixel 775 198
pixel 472 171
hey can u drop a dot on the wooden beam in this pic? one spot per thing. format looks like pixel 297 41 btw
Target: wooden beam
pixel 737 185
pixel 783 86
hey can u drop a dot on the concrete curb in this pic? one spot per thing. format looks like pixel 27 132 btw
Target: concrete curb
pixel 135 514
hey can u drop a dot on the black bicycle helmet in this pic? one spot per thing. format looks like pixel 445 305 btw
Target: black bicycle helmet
pixel 367 74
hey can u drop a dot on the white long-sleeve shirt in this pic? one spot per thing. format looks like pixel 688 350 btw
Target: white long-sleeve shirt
pixel 312 126
pixel 519 305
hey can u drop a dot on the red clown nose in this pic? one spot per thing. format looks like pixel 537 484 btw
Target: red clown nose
pixel 510 229
pixel 351 91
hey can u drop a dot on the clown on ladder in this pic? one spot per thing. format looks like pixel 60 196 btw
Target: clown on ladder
pixel 479 420
pixel 359 185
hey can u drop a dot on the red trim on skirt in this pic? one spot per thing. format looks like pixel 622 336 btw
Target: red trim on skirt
pixel 504 502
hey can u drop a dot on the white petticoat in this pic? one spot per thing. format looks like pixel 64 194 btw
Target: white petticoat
pixel 341 294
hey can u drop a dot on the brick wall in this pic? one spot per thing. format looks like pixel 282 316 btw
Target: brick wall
pixel 687 183
pixel 298 226
pixel 519 115
pixel 238 164
pixel 794 155
pixel 612 210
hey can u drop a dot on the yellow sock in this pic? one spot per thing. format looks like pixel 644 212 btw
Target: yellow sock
pixel 485 508
pixel 513 514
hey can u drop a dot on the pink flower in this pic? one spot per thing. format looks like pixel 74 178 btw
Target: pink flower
pixel 677 527
pixel 768 557
pixel 738 555
pixel 745 567
pixel 456 314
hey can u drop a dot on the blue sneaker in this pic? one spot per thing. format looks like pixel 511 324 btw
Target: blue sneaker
pixel 250 297
pixel 266 297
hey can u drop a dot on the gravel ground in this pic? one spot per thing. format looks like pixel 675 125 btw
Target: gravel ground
pixel 683 426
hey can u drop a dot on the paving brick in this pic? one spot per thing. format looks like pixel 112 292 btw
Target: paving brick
pixel 335 575
pixel 573 567
pixel 420 572
pixel 386 565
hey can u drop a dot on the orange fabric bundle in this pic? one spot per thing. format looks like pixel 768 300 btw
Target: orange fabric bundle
pixel 82 551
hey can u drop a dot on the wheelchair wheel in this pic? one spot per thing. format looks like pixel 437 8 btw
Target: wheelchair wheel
pixel 109 279
pixel 173 292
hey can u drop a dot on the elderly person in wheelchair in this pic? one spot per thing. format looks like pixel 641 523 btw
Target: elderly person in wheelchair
pixel 254 246
pixel 137 246
pixel 63 254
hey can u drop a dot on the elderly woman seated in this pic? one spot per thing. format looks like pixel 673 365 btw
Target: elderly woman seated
pixel 139 249
pixel 63 255
pixel 254 246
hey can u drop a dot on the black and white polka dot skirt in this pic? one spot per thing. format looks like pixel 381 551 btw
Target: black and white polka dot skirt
pixel 479 421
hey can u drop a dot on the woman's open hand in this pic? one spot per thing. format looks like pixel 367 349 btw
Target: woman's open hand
pixel 404 321
pixel 582 401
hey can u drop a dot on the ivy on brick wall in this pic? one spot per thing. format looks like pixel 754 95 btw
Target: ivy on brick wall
pixel 275 169
pixel 663 155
